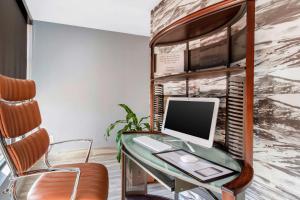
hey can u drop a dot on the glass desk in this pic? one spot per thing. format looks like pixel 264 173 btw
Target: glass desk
pixel 138 161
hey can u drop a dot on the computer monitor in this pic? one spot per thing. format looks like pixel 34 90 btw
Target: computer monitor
pixel 191 119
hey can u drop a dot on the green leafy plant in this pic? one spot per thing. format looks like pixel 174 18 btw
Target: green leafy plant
pixel 130 123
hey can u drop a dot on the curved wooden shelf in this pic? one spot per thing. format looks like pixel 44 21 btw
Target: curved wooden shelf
pixel 241 183
pixel 200 22
pixel 209 73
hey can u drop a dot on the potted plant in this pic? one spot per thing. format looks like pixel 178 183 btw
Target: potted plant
pixel 130 123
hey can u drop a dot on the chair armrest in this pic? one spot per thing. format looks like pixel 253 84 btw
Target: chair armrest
pixel 241 183
pixel 47 171
pixel 68 141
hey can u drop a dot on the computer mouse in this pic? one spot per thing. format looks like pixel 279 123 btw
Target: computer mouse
pixel 189 159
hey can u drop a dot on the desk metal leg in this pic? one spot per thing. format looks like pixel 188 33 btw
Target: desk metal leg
pixel 241 196
pixel 228 196
pixel 181 186
pixel 176 196
pixel 134 178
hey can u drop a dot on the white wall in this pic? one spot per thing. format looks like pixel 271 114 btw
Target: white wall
pixel 81 76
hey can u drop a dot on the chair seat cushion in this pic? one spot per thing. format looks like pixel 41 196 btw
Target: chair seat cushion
pixel 93 184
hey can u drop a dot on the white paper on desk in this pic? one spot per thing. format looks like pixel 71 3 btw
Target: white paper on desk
pixel 202 169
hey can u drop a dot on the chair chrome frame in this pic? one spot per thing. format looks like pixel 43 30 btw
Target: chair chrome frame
pixel 46 159
pixel 16 176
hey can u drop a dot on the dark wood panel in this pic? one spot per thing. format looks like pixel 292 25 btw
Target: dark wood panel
pixel 13 39
pixel 24 11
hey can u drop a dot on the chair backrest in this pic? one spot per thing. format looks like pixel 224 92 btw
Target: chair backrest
pixel 20 116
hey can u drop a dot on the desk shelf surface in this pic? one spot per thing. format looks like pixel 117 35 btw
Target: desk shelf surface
pixel 145 156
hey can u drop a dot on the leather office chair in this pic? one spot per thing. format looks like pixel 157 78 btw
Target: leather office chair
pixel 20 115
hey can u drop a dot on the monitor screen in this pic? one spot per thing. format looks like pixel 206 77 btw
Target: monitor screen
pixel 196 118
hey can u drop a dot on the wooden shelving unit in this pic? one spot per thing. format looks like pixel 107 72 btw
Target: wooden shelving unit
pixel 239 98
pixel 200 22
pixel 209 73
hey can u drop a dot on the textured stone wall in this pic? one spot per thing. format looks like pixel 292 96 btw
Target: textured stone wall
pixel 277 91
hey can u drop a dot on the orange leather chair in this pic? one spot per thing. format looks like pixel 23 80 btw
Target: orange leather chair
pixel 20 116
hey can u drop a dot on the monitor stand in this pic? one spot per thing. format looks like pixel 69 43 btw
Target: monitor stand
pixel 185 142
pixel 189 146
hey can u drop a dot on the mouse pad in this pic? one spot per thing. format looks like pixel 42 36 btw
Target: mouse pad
pixel 202 170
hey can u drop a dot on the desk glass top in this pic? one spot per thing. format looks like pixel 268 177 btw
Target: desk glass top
pixel 212 154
